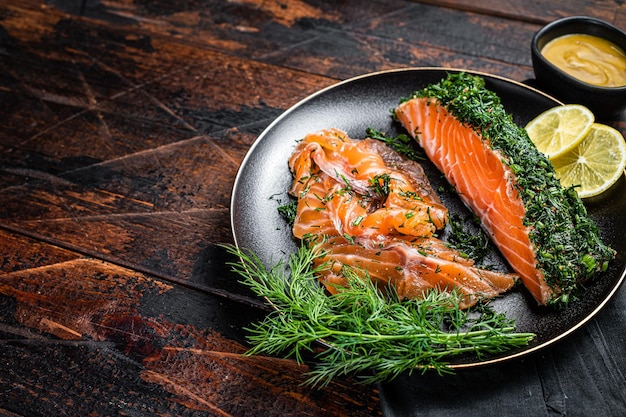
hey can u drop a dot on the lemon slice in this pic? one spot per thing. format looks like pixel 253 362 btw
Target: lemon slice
pixel 595 164
pixel 560 129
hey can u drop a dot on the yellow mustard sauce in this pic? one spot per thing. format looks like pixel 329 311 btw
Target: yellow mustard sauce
pixel 589 58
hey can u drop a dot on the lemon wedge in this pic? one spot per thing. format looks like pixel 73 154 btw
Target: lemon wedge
pixel 595 164
pixel 560 129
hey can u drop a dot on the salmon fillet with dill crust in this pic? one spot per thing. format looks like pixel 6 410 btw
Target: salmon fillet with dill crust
pixel 541 228
pixel 369 209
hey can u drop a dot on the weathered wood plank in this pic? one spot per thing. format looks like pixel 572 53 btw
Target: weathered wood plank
pixel 80 379
pixel 157 210
pixel 536 12
pixel 19 253
pixel 249 23
pixel 331 39
pixel 108 93
pixel 620 17
pixel 90 336
pixel 346 55
pixel 292 11
pixel 282 34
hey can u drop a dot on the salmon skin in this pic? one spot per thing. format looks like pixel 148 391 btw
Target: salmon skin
pixel 369 209
pixel 541 228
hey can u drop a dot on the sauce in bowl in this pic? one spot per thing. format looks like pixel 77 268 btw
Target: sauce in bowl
pixel 589 58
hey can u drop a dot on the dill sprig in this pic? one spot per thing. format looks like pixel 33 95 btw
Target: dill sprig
pixel 372 334
pixel 289 211
pixel 473 244
pixel 402 143
pixel 380 185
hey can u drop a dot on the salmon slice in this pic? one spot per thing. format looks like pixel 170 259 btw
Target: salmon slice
pixel 374 211
pixel 539 227
pixel 482 181
pixel 411 271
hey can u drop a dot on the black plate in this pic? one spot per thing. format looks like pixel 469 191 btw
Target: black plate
pixel 366 101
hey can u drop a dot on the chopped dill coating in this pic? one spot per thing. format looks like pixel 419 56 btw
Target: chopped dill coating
pixel 566 242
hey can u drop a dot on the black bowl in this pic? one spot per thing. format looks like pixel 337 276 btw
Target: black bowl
pixel 603 101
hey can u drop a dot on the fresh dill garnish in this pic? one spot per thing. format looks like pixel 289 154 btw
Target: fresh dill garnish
pixel 568 248
pixel 379 184
pixel 372 333
pixel 409 195
pixel 473 244
pixel 357 221
pixel 402 143
pixel 289 211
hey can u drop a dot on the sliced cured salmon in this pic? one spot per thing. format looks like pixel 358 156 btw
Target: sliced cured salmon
pixel 541 228
pixel 375 212
pixel 411 270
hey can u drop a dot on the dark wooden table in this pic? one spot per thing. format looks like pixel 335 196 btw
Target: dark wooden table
pixel 123 124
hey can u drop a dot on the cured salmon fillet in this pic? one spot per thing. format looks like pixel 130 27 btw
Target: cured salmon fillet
pixel 541 228
pixel 370 209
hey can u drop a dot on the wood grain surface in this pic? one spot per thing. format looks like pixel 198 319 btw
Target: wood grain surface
pixel 124 123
